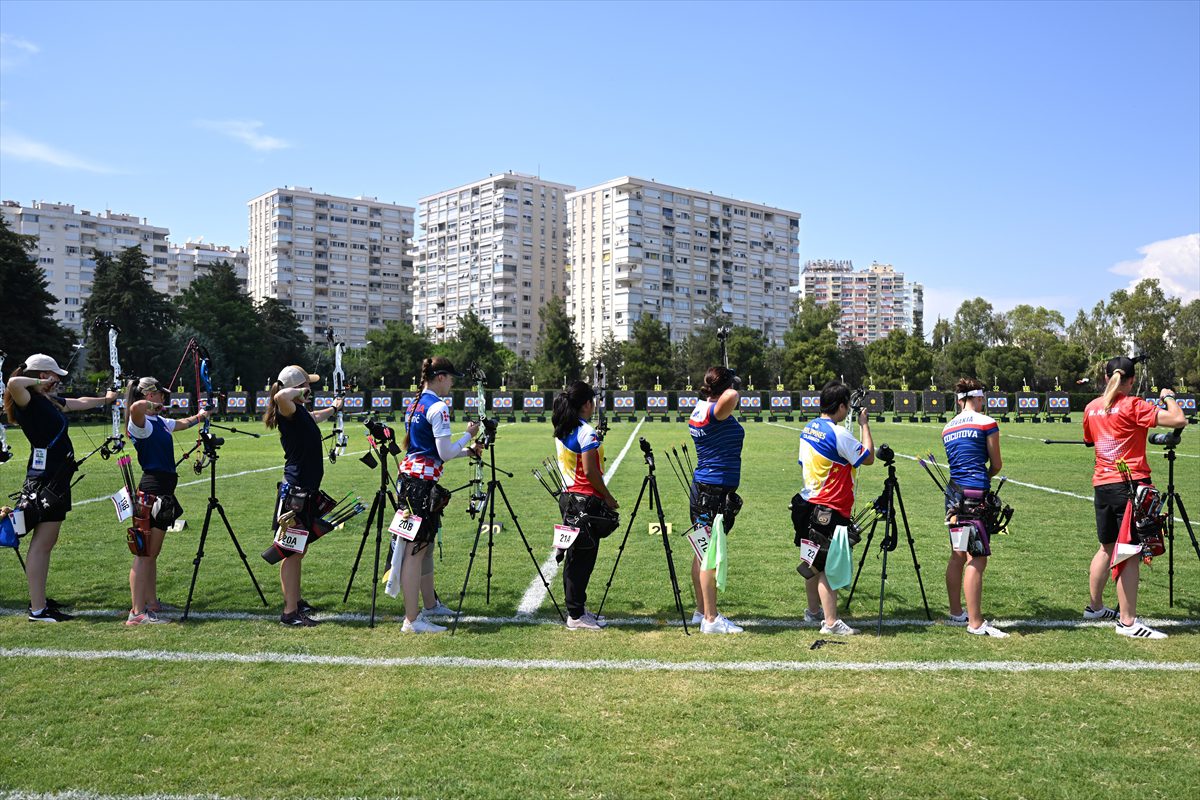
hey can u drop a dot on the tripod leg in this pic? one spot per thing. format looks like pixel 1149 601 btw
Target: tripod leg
pixel 376 508
pixel 237 545
pixel 656 500
pixel 21 561
pixel 862 560
pixel 1187 523
pixel 912 548
pixel 378 545
pixel 199 555
pixel 883 582
pixel 466 579
pixel 529 550
pixel 624 539
pixel 491 527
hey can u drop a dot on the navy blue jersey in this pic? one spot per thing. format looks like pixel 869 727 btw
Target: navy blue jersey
pixel 45 426
pixel 718 445
pixel 965 439
pixel 154 444
pixel 304 462
pixel 426 420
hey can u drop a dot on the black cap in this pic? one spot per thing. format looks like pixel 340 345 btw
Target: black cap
pixel 1123 363
pixel 443 366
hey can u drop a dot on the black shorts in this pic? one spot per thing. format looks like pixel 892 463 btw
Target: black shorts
pixel 161 485
pixel 427 500
pixel 44 501
pixel 817 523
pixel 1110 500
pixel 705 501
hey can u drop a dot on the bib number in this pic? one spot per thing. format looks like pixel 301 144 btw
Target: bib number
pixel 808 551
pixel 405 527
pixel 39 458
pixel 294 540
pixel 960 537
pixel 123 504
pixel 700 539
pixel 564 536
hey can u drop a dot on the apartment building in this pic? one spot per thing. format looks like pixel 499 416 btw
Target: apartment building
pixel 334 260
pixel 496 246
pixel 641 247
pixel 873 302
pixel 190 260
pixel 66 241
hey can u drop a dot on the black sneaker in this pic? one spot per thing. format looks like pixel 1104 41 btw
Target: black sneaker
pixel 48 614
pixel 305 608
pixel 295 620
pixel 53 604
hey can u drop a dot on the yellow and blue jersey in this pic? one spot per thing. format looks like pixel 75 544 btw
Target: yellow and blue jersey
pixel 829 459
pixel 570 457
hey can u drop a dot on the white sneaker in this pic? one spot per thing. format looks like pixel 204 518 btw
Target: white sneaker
pixel 957 619
pixel 584 623
pixel 987 630
pixel 599 620
pixel 1139 630
pixel 814 616
pixel 421 625
pixel 697 617
pixel 839 628
pixel 1104 612
pixel 733 626
pixel 439 610
pixel 719 625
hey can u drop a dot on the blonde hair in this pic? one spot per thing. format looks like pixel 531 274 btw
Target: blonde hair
pixel 268 416
pixel 1113 388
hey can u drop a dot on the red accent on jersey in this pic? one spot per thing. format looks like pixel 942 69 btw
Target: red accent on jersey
pixel 1119 433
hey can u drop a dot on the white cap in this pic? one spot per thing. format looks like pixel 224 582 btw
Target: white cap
pixel 294 376
pixel 40 362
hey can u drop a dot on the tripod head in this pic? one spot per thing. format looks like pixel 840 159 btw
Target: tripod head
pixel 647 453
pixel 885 454
pixel 1167 440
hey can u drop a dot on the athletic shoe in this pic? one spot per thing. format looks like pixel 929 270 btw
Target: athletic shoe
pixel 439 610
pixel 147 617
pixel 421 625
pixel 957 619
pixel 987 630
pixel 49 615
pixel 159 607
pixel 298 620
pixel 697 617
pixel 719 625
pixel 54 604
pixel 1139 630
pixel 304 607
pixel 599 620
pixel 814 616
pixel 1104 612
pixel 584 623
pixel 839 628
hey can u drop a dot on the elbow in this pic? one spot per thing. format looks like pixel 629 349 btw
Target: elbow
pixel 869 460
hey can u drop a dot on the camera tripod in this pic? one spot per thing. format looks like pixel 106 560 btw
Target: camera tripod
pixel 211 444
pixel 384 497
pixel 1173 501
pixel 885 509
pixel 494 487
pixel 651 482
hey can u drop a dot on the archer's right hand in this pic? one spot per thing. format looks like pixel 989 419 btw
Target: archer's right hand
pixel 472 428
pixel 611 502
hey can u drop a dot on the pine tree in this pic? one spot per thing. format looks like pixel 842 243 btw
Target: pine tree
pixel 123 295
pixel 26 305
pixel 222 317
pixel 394 353
pixel 558 356
pixel 648 356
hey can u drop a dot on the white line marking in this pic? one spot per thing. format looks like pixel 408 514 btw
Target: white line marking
pixel 527 619
pixel 535 595
pixel 629 665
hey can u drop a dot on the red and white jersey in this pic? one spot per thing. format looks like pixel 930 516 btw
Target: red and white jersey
pixel 1119 434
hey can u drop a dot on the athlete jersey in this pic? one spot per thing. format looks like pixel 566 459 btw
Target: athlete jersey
pixel 965 438
pixel 303 459
pixel 154 445
pixel 426 419
pixel 829 458
pixel 1119 433
pixel 718 445
pixel 570 458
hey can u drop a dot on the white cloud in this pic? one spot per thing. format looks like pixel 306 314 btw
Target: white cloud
pixel 23 148
pixel 15 51
pixel 1174 262
pixel 247 132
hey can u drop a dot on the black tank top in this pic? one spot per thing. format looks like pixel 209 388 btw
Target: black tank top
pixel 304 463
pixel 45 426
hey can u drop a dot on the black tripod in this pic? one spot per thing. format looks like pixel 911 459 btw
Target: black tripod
pixel 1173 500
pixel 651 481
pixel 211 444
pixel 489 506
pixel 384 498
pixel 885 509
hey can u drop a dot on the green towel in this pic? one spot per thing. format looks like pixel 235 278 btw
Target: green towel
pixel 715 557
pixel 838 562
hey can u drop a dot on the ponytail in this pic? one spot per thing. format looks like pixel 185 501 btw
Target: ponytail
pixel 268 416
pixel 10 406
pixel 426 371
pixel 1112 389
pixel 132 395
pixel 567 405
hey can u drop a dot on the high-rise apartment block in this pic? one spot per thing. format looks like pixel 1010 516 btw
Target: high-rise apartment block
pixel 638 247
pixel 873 302
pixel 496 246
pixel 67 239
pixel 190 260
pixel 340 261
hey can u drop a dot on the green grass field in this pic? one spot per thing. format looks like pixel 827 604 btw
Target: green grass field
pixel 233 704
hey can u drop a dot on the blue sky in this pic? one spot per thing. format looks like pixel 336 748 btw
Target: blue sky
pixel 1026 152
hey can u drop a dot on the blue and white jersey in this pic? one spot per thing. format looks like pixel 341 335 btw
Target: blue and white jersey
pixel 570 458
pixel 718 446
pixel 965 439
pixel 426 419
pixel 829 459
pixel 154 445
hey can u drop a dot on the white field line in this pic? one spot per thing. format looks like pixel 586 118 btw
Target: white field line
pixel 616 622
pixel 626 665
pixel 535 595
